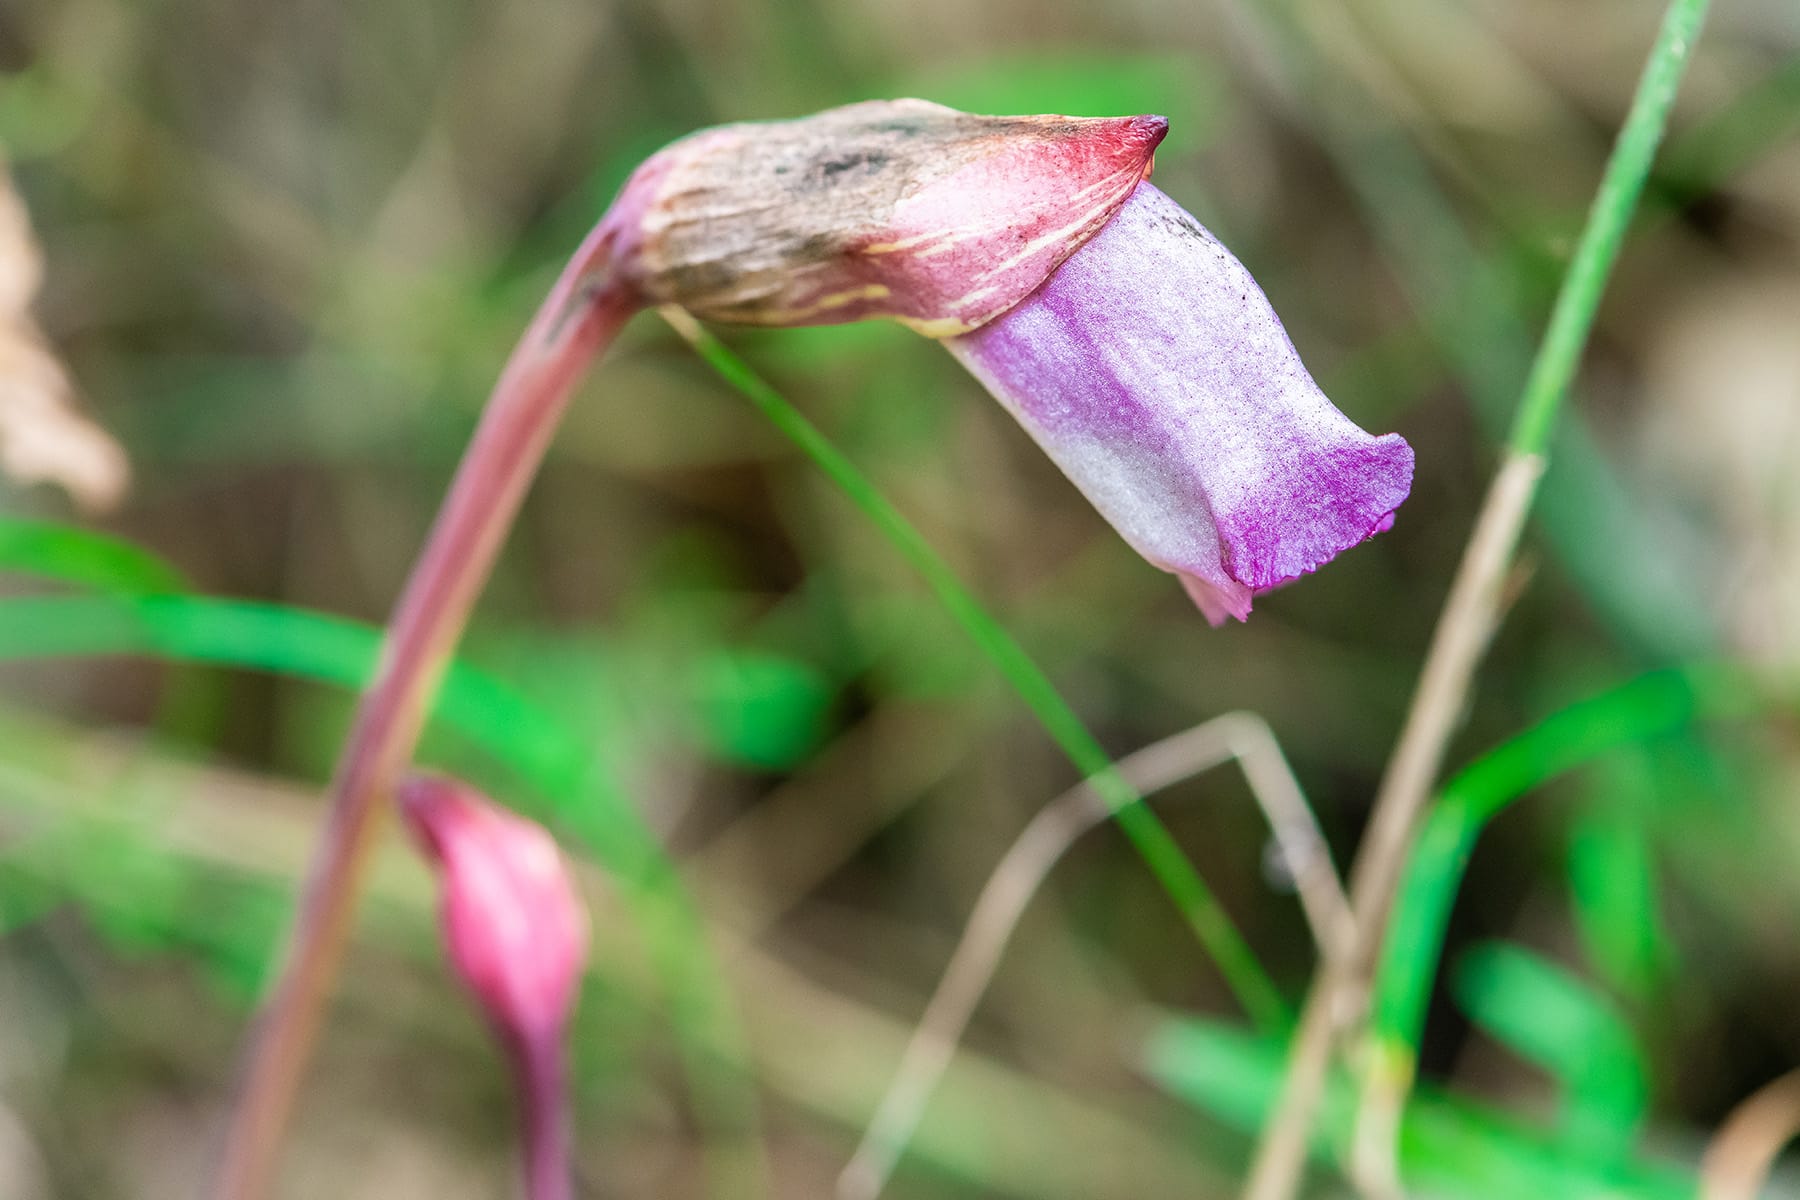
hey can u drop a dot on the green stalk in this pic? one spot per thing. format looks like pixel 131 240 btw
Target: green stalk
pixel 1463 632
pixel 1579 298
pixel 1161 853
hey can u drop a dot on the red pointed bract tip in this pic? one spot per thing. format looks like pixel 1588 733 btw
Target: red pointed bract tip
pixel 513 924
pixel 892 208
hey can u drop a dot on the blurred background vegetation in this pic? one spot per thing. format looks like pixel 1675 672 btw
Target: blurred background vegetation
pixel 286 247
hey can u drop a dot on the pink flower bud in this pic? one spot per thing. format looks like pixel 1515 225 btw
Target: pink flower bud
pixel 514 927
pixel 890 208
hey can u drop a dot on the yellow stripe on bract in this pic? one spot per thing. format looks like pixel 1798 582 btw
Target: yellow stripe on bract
pixel 902 244
pixel 872 291
pixel 938 327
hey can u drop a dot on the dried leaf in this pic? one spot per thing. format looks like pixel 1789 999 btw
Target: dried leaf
pixel 43 437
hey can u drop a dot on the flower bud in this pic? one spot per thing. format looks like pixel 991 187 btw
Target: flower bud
pixel 890 208
pixel 513 925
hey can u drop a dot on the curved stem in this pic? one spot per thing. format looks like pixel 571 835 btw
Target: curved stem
pixel 1741 1155
pixel 1240 736
pixel 578 319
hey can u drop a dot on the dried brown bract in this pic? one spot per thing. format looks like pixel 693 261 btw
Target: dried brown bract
pixel 891 208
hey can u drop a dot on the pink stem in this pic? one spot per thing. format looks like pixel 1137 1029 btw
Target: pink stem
pixel 575 323
pixel 544 1115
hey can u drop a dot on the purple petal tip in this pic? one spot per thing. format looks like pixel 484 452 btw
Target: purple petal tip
pixel 1153 371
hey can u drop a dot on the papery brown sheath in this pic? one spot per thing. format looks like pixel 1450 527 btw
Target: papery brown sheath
pixel 892 208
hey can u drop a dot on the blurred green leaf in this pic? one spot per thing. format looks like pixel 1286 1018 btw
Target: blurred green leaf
pixel 25 896
pixel 1706 155
pixel 39 115
pixel 132 894
pixel 238 920
pixel 81 557
pixel 1546 1015
pixel 1448 1147
pixel 1612 878
pixel 340 652
pixel 1649 706
pixel 760 709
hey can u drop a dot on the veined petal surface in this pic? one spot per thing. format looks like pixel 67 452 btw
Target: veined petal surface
pixel 1153 371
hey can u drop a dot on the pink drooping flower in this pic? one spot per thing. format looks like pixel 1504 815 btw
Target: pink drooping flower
pixel 516 934
pixel 1126 340
pixel 513 925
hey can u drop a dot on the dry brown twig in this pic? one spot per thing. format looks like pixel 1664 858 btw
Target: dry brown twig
pixel 1337 999
pixel 1241 737
pixel 43 438
pixel 1739 1158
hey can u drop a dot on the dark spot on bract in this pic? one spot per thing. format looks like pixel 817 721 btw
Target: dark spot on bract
pixel 816 247
pixel 866 162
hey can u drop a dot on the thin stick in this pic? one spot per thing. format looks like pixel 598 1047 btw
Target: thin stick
pixel 1244 737
pixel 1741 1154
pixel 575 323
pixel 1338 997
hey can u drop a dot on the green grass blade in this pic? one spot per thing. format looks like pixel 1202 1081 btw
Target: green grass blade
pixel 83 558
pixel 1161 853
pixel 1471 303
pixel 1647 707
pixel 1615 889
pixel 1448 1146
pixel 1548 1016
pixel 1614 203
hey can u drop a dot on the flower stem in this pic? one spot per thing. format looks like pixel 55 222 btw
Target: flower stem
pixel 1472 610
pixel 1161 853
pixel 542 1077
pixel 578 319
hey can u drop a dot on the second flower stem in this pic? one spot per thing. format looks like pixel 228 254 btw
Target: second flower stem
pixel 541 1071
pixel 575 323
pixel 1199 908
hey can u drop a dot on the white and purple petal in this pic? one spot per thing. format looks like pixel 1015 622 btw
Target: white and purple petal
pixel 1152 370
